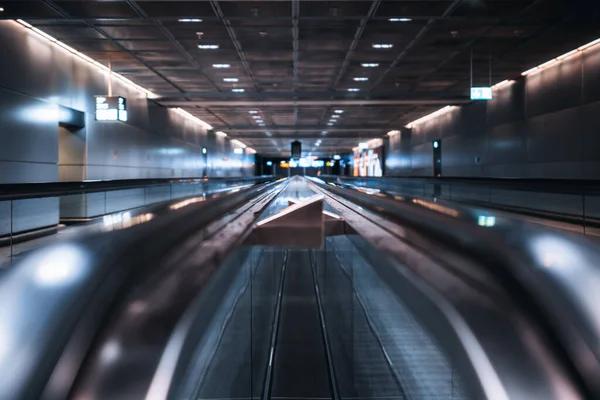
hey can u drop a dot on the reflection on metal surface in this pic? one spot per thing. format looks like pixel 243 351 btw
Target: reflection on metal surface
pixel 486 221
pixel 436 207
pixel 125 220
pixel 186 203
pixel 60 267
pixel 111 352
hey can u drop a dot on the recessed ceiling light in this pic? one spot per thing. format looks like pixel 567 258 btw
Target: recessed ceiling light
pixel 335 116
pixel 256 116
pixel 323 132
pixel 370 65
pixel 208 46
pixel 221 65
pixel 330 124
pixel 353 89
pixel 230 79
pixel 339 111
pixel 399 19
pixel 260 121
pixel 382 46
pixel 238 90
pixel 189 20
pixel 253 112
pixel 361 79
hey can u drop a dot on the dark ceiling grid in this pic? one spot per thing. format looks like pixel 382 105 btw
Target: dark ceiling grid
pixel 52 4
pixel 295 45
pixel 531 39
pixel 416 40
pixel 304 65
pixel 139 11
pixel 349 53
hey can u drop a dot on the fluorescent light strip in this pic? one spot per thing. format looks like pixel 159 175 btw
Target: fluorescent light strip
pixel 208 46
pixel 353 89
pixel 383 46
pixel 190 116
pixel 221 134
pixel 221 65
pixel 399 19
pixel 361 79
pixel 238 90
pixel 430 116
pixel 230 79
pixel 540 67
pixel 238 143
pixel 102 67
pixel 105 69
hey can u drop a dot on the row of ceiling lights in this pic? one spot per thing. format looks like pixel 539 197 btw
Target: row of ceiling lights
pixel 335 117
pixel 241 90
pixel 257 118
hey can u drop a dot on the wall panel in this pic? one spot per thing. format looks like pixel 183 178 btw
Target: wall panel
pixel 545 125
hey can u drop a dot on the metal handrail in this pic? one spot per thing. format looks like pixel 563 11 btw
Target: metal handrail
pixel 559 186
pixel 18 191
pixel 550 271
pixel 53 301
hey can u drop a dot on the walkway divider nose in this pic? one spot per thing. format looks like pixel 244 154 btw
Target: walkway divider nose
pixel 302 224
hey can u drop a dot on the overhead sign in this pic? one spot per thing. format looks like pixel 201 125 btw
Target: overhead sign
pixel 111 108
pixel 481 93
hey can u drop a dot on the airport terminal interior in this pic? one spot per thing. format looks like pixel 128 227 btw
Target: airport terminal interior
pixel 299 199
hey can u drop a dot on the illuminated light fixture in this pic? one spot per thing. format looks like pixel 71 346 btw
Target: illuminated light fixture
pixel 567 55
pixel 268 134
pixel 208 46
pixel 324 132
pixel 529 71
pixel 501 84
pixel 330 124
pixel 261 124
pixel 361 79
pixel 547 63
pixel 204 150
pixel 238 150
pixel 256 117
pixel 221 134
pixel 253 112
pixel 486 221
pixel 400 19
pixel 339 111
pixel 353 89
pixel 251 150
pixel 230 79
pixel 436 144
pixel 363 145
pixel 269 163
pixel 383 46
pixel 190 116
pixel 590 44
pixel 238 90
pixel 260 121
pixel 370 65
pixel 333 121
pixel 481 93
pixel 393 133
pixel 335 116
pixel 337 157
pixel 430 116
pixel 317 144
pixel 82 56
pixel 189 20
pixel 1 9
pixel 238 143
pixel 221 65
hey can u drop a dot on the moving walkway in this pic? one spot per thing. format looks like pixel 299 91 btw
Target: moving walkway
pixel 304 288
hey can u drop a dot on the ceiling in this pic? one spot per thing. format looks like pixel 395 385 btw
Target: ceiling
pixel 296 59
